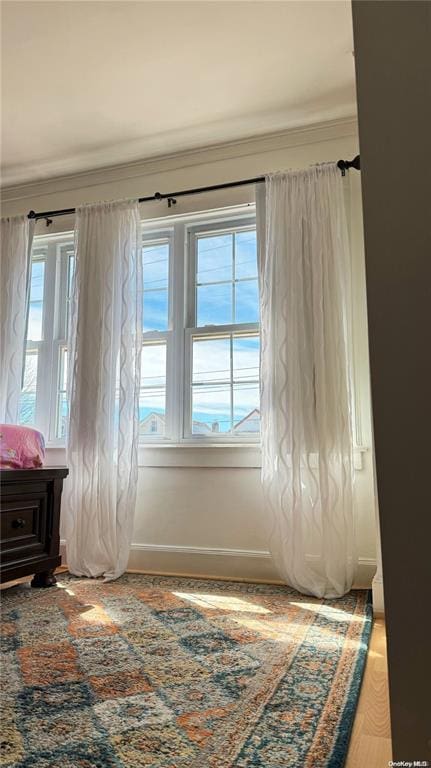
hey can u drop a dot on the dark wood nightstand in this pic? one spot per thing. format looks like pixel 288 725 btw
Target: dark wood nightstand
pixel 30 523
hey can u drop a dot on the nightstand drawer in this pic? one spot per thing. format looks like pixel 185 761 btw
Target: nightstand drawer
pixel 23 525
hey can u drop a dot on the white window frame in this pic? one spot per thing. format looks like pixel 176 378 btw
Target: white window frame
pixel 149 236
pixel 59 341
pixel 244 223
pixel 42 346
pixel 182 269
pixel 53 250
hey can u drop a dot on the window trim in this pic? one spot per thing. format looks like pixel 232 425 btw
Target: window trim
pixel 53 329
pixel 59 332
pixel 227 223
pixel 182 267
pixel 154 234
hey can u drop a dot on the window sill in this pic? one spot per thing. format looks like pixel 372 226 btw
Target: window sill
pixel 183 455
pixel 223 455
pixel 227 455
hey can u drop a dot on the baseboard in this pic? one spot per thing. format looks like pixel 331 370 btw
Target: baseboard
pixel 365 572
pixel 203 561
pixel 378 599
pixel 219 562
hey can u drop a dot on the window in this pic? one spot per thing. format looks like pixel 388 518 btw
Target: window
pixel 200 342
pixel 222 337
pixel 43 396
pixel 27 407
pixel 157 333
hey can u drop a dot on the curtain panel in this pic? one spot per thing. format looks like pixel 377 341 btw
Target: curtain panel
pixel 15 254
pixel 103 389
pixel 306 413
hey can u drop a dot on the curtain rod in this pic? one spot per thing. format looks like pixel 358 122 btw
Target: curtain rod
pixel 343 165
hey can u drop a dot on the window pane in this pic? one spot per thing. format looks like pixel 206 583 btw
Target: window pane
pixel 37 279
pixel 61 415
pixel 27 404
pixel 70 275
pixel 155 311
pixel 35 313
pixel 246 403
pixel 211 386
pixel 155 260
pixel 225 385
pixel 153 365
pixel 246 413
pixel 226 279
pixel 156 265
pixel 214 304
pixel 245 358
pixel 63 370
pixel 152 399
pixel 245 254
pixel 62 412
pixel 211 409
pixel 211 360
pixel 214 258
pixel 246 302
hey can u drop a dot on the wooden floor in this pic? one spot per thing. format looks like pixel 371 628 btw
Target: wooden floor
pixel 370 744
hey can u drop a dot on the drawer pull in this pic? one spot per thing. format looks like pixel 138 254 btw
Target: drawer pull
pixel 18 523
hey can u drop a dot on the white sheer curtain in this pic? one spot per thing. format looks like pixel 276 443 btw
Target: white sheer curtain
pixel 16 241
pixel 307 444
pixel 103 388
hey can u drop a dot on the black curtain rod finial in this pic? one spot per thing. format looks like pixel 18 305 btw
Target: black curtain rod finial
pixel 356 163
pixel 344 165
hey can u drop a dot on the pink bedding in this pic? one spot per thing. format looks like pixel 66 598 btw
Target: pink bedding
pixel 21 447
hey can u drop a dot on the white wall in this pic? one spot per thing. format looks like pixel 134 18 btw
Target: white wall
pixel 209 519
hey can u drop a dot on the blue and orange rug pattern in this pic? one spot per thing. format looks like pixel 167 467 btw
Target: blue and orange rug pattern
pixel 160 672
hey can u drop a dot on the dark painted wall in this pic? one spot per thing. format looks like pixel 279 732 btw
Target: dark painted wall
pixel 393 70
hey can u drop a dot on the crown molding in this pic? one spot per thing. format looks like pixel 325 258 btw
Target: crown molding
pixel 292 137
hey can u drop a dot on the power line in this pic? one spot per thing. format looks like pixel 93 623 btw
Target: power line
pixel 218 370
pixel 227 281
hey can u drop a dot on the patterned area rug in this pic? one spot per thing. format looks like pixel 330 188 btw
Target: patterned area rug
pixel 164 672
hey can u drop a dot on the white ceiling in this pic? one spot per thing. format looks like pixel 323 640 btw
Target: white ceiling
pixel 93 84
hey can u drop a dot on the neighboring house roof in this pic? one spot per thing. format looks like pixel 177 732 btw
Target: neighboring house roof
pixel 145 424
pixel 153 415
pixel 249 423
